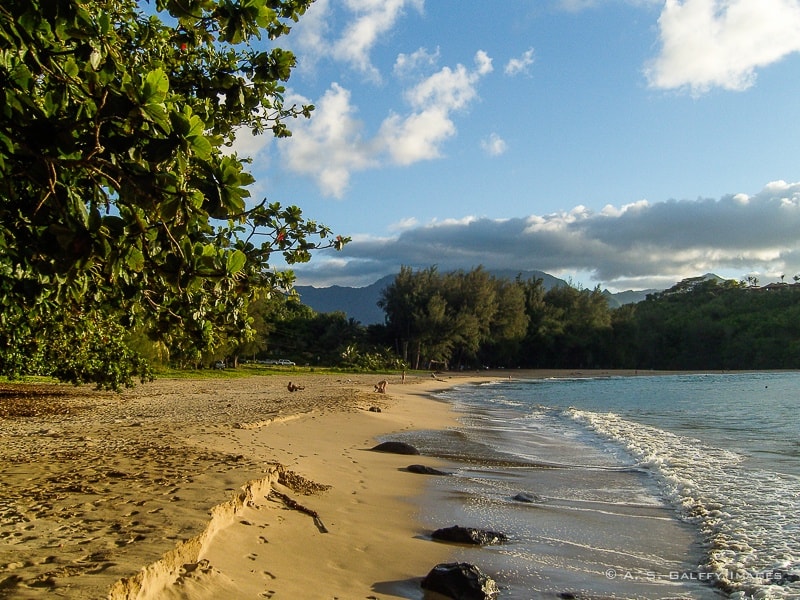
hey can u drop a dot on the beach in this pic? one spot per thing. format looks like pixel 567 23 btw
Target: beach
pixel 193 489
pixel 235 487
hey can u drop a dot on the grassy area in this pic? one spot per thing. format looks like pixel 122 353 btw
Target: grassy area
pixel 251 369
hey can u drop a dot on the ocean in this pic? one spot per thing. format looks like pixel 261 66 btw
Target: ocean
pixel 684 486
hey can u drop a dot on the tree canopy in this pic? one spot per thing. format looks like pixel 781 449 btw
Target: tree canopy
pixel 121 203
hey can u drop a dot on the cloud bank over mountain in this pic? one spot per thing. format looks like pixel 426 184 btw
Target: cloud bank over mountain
pixel 639 245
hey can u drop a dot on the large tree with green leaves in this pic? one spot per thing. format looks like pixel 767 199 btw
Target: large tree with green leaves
pixel 121 202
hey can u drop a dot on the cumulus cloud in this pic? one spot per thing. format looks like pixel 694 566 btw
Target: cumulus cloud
pixel 367 22
pixel 642 243
pixel 407 64
pixel 721 43
pixel 515 66
pixel 331 146
pixel 311 33
pixel 494 145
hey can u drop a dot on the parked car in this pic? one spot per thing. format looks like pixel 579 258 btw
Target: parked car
pixel 285 362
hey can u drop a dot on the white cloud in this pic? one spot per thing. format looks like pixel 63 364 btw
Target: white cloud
pixel 252 146
pixel 515 66
pixel 330 147
pixel 450 89
pixel 311 33
pixel 721 43
pixel 373 19
pixel 494 145
pixel 419 135
pixel 621 247
pixel 347 31
pixel 416 137
pixel 407 223
pixel 407 64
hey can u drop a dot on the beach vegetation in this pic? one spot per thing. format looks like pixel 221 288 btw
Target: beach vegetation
pixel 473 320
pixel 124 211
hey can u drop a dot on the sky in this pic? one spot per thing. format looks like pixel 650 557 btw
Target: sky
pixel 622 143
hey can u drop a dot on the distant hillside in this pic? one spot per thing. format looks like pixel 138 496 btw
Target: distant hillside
pixel 359 303
pixel 627 297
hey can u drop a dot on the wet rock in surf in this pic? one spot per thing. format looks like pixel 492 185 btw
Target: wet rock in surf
pixel 425 470
pixel 460 581
pixel 469 535
pixel 528 497
pixel 396 448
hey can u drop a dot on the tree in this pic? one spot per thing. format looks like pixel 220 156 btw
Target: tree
pixel 509 325
pixel 121 204
pixel 402 301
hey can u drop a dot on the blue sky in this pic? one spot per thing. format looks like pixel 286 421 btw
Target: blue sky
pixel 626 143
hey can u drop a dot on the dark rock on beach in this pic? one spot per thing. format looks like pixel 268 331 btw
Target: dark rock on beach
pixel 528 497
pixel 425 470
pixel 469 535
pixel 396 448
pixel 460 581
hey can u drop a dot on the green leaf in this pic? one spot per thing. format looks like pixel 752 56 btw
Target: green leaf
pixel 236 261
pixel 135 260
pixel 155 87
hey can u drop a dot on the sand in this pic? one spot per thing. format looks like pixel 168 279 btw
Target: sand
pixel 170 490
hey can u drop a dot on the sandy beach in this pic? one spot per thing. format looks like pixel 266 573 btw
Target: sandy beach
pixel 200 488
pixel 168 490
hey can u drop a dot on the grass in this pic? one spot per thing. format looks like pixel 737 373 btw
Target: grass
pixel 250 370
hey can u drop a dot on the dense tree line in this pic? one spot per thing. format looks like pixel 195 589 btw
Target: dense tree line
pixel 712 325
pixel 471 319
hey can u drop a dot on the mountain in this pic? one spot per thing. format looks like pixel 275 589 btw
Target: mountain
pixel 359 303
pixel 627 297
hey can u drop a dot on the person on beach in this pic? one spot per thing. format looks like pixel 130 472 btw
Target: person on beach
pixel 380 387
pixel 293 388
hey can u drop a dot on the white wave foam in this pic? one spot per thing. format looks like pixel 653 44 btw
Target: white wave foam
pixel 747 517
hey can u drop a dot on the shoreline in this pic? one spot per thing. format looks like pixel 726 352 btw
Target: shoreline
pixel 113 492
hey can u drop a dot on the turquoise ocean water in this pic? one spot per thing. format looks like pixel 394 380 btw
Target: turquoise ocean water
pixel 645 487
